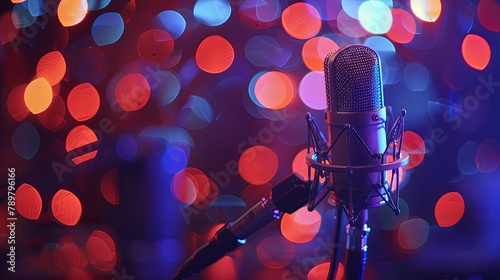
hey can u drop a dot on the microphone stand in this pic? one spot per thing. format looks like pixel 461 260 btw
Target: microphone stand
pixel 356 247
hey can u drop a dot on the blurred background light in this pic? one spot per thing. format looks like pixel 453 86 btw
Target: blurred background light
pixel 215 54
pixel 258 165
pixel 132 92
pixel 426 10
pixel 15 103
pixel 54 118
pixel 315 50
pixel 413 233
pixel 275 252
pixel 212 13
pixel 449 209
pixel 155 45
pixel 312 90
pixel 28 202
pixel 196 113
pixel 476 51
pixel 52 67
pixel 98 4
pixel 301 226
pixel 375 17
pixel 81 137
pixel 274 90
pixel 110 186
pixel 172 22
pixel 38 95
pixel 301 20
pixel 66 207
pixel 72 12
pixel 26 141
pixel 101 250
pixel 107 28
pixel 487 11
pixel 488 156
pixel 83 102
pixel 403 26
pixel 259 14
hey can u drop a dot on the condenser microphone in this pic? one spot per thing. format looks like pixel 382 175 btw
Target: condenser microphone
pixel 360 149
pixel 355 107
pixel 286 197
pixel 356 118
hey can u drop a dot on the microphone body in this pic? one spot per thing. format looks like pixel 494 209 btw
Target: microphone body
pixel 287 196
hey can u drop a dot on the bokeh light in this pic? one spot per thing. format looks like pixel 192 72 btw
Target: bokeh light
pixel 275 252
pixel 52 67
pixel 414 145
pixel 259 14
pixel 107 28
pixel 28 202
pixel 350 26
pixel 110 186
pixel 264 51
pixel 155 45
pixel 212 13
pixel 375 17
pixel 301 226
pixel 72 12
pixel 10 31
pixel 312 90
pixel 98 4
pixel 21 16
pixel 476 51
pixel 175 158
pixel 190 185
pixel 132 92
pixel 488 156
pixel 54 118
pixel 196 113
pixel 80 138
pixel 172 22
pixel 15 103
pixel 258 164
pixel 66 207
pixel 413 233
pixel 101 250
pixel 385 218
pixel 487 13
pixel 274 90
pixel 426 10
pixel 69 256
pixel 38 95
pixel 165 86
pixel 301 20
pixel 449 209
pixel 416 76
pixel 299 163
pixel 315 50
pixel 466 158
pixel 403 27
pixel 320 272
pixel 88 70
pixel 83 102
pixel 126 147
pixel 215 54
pixel 26 141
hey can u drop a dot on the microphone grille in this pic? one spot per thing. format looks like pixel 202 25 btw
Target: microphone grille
pixel 353 74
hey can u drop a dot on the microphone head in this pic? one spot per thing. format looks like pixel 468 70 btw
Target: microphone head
pixel 353 80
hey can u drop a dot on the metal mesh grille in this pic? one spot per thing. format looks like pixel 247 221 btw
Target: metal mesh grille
pixel 354 79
